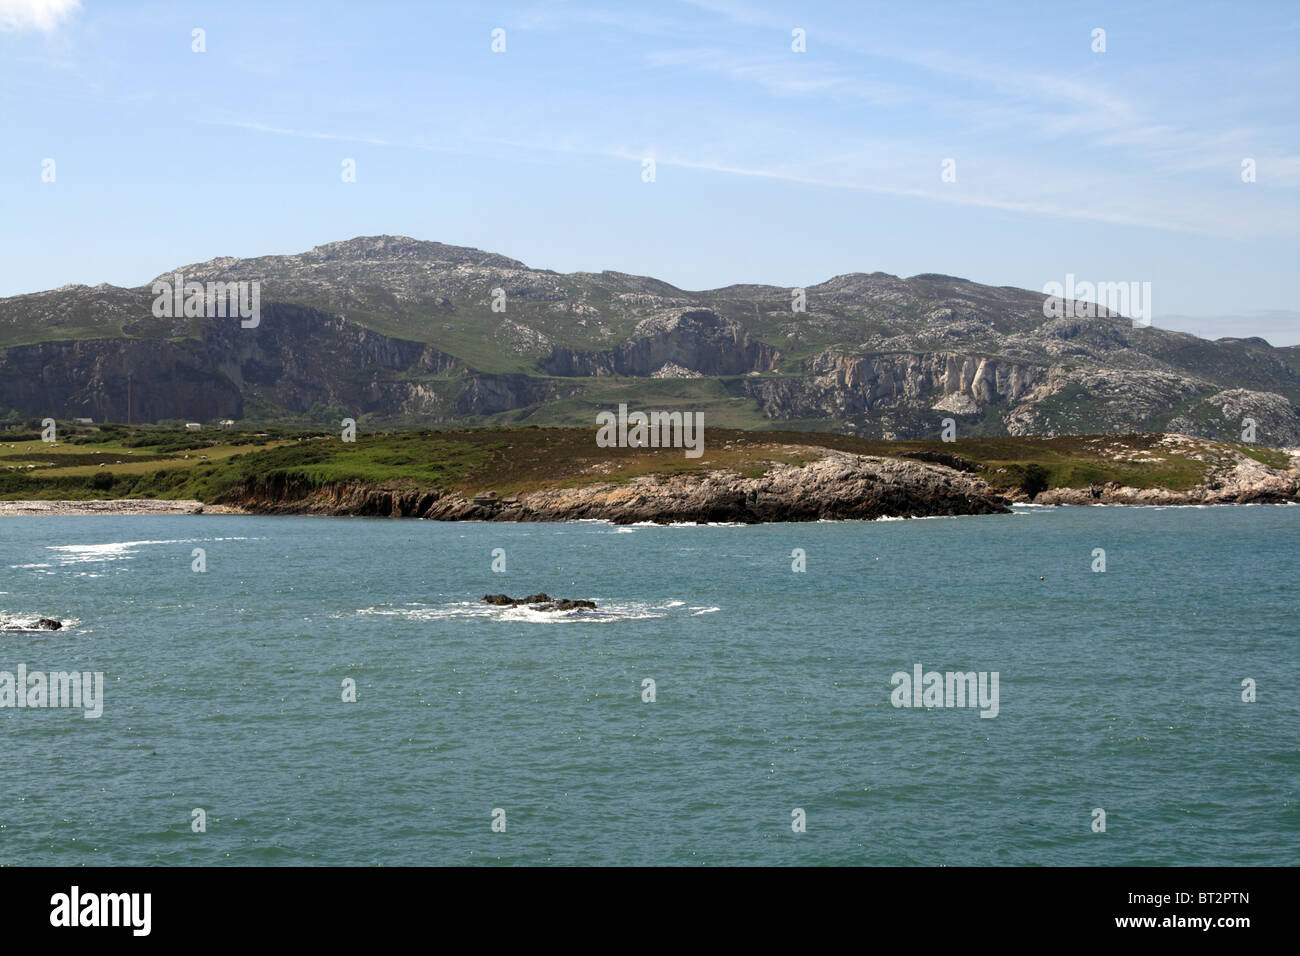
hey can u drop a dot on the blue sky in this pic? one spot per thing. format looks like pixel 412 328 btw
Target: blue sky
pixel 771 165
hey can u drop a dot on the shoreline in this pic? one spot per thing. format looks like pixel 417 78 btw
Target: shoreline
pixel 131 508
pixel 128 507
pixel 71 507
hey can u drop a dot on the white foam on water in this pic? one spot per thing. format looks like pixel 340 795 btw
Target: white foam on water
pixel 605 612
pixel 432 612
pixel 689 524
pixel 119 550
pixel 83 553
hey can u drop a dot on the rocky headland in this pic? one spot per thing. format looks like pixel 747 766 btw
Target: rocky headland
pixel 561 474
pixel 836 485
pixel 1231 478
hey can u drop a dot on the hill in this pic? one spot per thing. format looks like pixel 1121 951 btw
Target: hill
pixel 397 332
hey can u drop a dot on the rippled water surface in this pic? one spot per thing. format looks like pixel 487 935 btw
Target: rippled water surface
pixel 222 691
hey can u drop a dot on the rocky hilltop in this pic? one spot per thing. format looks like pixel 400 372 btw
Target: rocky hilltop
pixel 397 332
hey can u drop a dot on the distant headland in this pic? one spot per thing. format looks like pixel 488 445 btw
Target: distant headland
pixel 559 474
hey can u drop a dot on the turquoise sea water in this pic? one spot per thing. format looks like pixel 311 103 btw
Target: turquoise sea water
pixel 1119 690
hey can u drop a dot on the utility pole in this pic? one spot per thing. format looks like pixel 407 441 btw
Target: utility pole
pixel 128 398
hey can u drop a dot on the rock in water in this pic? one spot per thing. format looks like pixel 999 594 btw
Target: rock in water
pixel 41 624
pixel 539 602
pixel 564 604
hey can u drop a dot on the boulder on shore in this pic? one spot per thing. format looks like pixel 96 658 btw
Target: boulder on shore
pixel 538 602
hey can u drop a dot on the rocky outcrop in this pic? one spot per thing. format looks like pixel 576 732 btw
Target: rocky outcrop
pixel 941 458
pixel 838 384
pixel 539 602
pixel 834 485
pixel 1268 418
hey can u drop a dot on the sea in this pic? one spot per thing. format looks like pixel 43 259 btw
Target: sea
pixel 334 691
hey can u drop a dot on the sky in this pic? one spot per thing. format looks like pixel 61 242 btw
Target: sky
pixel 996 142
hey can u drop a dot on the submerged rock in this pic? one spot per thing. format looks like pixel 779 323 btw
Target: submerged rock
pixel 539 602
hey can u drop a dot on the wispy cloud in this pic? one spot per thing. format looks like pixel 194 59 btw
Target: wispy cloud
pixel 305 133
pixel 339 137
pixel 1000 95
pixel 932 195
pixel 18 16
pixel 777 76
